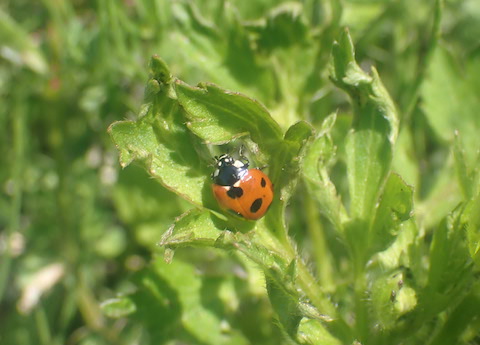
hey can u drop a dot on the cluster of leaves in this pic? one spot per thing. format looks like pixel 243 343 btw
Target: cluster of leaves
pixel 394 279
pixel 374 233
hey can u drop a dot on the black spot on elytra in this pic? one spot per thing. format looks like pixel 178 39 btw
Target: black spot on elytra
pixel 255 206
pixel 235 192
pixel 263 182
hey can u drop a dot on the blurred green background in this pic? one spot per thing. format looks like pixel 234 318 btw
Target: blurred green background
pixel 74 227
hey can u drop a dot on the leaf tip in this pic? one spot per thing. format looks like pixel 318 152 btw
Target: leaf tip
pixel 159 69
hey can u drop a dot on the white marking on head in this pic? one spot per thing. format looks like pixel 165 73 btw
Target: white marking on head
pixel 238 164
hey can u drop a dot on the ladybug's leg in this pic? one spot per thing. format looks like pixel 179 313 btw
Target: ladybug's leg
pixel 242 157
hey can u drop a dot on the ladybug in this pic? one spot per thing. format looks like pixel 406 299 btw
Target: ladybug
pixel 248 192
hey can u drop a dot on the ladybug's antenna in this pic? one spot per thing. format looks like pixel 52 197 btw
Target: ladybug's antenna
pixel 241 150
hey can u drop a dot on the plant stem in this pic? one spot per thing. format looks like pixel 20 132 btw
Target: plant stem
pixel 321 253
pixel 43 329
pixel 310 287
pixel 17 159
pixel 360 288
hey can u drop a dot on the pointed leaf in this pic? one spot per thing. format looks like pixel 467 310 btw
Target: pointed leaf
pixel 161 141
pixel 375 127
pixel 317 160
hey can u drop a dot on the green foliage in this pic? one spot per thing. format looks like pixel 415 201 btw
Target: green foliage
pixel 363 114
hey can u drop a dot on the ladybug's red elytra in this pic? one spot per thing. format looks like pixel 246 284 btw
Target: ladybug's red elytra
pixel 248 192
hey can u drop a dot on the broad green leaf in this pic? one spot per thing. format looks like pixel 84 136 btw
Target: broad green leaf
pixel 196 228
pixel 242 58
pixel 138 199
pixel 219 116
pixel 368 155
pixel 193 228
pixel 180 173
pixel 221 51
pixel 319 156
pixel 450 99
pixel 171 304
pixel 450 266
pixel 284 271
pixel 162 142
pixel 286 306
pixel 118 307
pixel 284 26
pixel 284 172
pixel 375 126
pixel 455 327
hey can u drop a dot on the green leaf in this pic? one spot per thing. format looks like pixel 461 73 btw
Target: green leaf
pixel 456 325
pixel 137 199
pixel 171 304
pixel 286 306
pixel 312 332
pixel 19 46
pixel 159 71
pixel 320 154
pixel 284 271
pixel 450 99
pixel 193 228
pixel 298 133
pixel 467 172
pixel 112 243
pixel 375 126
pixel 404 162
pixel 139 140
pixel 391 298
pixel 450 268
pixel 161 141
pixel 242 59
pixel 219 116
pixel 285 26
pixel 197 229
pixel 399 252
pixel 471 218
pixel 287 157
pixel 395 207
pixel 118 307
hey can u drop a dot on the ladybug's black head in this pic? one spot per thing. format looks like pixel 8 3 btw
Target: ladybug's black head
pixel 228 170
